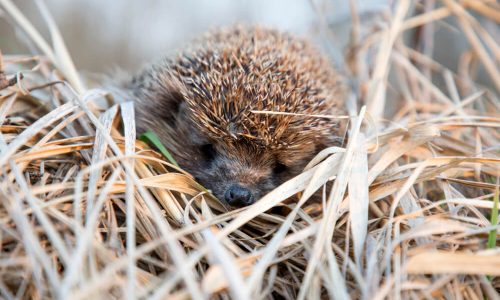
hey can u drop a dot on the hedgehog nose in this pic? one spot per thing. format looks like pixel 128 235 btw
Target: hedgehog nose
pixel 236 195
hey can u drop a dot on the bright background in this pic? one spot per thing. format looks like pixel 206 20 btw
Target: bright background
pixel 104 34
pixel 101 34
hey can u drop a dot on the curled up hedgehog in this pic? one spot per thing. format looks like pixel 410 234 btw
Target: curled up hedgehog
pixel 239 109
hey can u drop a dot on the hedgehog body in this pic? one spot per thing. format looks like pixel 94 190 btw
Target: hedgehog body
pixel 240 109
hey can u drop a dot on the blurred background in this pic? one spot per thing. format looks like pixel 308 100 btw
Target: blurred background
pixel 103 34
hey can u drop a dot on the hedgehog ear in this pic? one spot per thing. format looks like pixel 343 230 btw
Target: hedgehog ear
pixel 172 100
pixel 173 106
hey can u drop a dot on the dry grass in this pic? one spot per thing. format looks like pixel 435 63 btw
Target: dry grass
pixel 87 211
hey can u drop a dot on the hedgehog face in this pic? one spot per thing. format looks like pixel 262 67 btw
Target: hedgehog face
pixel 240 174
pixel 237 170
pixel 237 179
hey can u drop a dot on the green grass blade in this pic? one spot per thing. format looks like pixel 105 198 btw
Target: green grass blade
pixel 152 138
pixel 492 237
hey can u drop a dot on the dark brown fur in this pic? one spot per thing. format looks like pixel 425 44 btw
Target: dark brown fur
pixel 201 106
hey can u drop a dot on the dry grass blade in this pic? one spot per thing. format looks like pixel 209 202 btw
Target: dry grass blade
pixel 404 211
pixel 230 268
pixel 130 136
pixel 455 263
pixel 378 84
pixel 358 198
pixel 328 222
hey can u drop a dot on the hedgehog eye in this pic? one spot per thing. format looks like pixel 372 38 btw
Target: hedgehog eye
pixel 279 168
pixel 208 151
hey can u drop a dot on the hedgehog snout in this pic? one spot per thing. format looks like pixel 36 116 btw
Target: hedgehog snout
pixel 239 196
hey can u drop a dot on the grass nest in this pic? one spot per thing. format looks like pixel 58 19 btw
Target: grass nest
pixel 411 211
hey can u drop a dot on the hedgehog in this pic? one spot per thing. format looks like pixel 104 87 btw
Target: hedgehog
pixel 243 109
